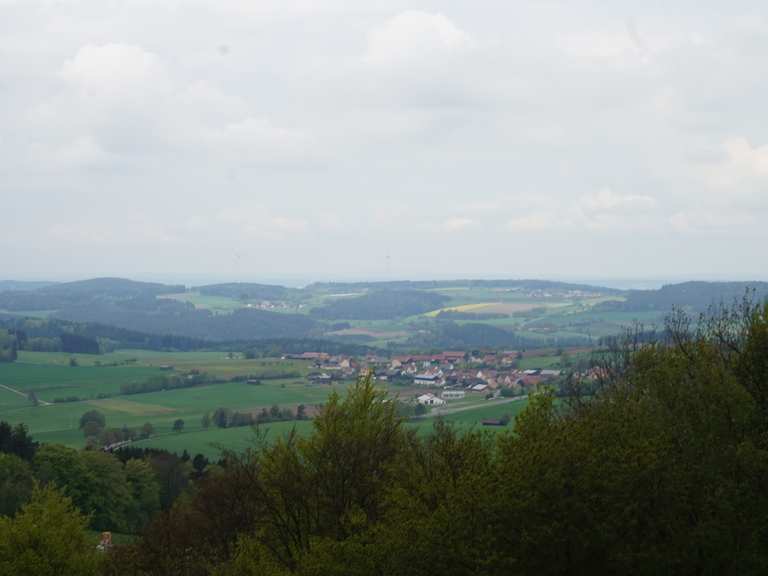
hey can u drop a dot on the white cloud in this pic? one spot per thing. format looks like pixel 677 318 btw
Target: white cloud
pixel 287 224
pixel 621 47
pixel 258 139
pixel 742 164
pixel 604 210
pixel 533 223
pixel 413 37
pixel 606 200
pixel 113 70
pixel 698 220
pixel 458 224
pixel 82 152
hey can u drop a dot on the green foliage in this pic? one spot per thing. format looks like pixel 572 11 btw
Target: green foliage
pixel 93 416
pixel 47 538
pixel 64 468
pixel 8 347
pixel 109 492
pixel 16 483
pixel 16 440
pixel 147 429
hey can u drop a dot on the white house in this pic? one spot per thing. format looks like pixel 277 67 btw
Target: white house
pixel 430 400
pixel 453 394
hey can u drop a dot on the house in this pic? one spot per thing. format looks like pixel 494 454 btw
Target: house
pixel 453 394
pixel 479 388
pixel 427 380
pixel 430 400
pixel 453 356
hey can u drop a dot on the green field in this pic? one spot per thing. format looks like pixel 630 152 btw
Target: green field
pixel 50 381
pixel 211 442
pixel 50 376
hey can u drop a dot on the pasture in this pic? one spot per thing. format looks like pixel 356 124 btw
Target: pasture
pixel 51 381
pixel 211 442
pixel 50 376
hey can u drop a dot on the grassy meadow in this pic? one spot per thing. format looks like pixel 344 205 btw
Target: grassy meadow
pixel 50 376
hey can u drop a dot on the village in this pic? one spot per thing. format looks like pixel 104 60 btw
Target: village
pixel 433 380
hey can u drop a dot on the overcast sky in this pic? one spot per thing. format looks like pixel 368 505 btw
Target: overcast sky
pixel 322 139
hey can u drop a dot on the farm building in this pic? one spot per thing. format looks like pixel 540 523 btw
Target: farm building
pixel 430 400
pixel 427 380
pixel 453 394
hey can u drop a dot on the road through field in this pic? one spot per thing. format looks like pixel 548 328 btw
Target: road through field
pixel 20 393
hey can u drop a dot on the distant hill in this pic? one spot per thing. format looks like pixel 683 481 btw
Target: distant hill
pixel 450 335
pixel 117 304
pixel 249 291
pixel 114 287
pixel 65 294
pixel 163 316
pixel 16 285
pixel 437 284
pixel 696 296
pixel 381 305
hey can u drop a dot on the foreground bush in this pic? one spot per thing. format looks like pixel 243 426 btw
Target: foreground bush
pixel 47 538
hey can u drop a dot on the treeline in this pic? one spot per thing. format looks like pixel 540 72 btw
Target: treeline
pixel 167 382
pixel 662 470
pixel 8 346
pixel 227 418
pixel 276 347
pixel 55 335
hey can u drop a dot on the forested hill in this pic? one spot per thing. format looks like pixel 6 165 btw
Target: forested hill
pixel 57 296
pixel 250 291
pixel 414 314
pixel 696 296
pixel 142 307
pixel 164 316
pixel 522 284
pixel 14 285
pixel 382 305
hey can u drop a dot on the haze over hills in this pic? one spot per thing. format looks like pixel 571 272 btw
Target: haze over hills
pixel 391 314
